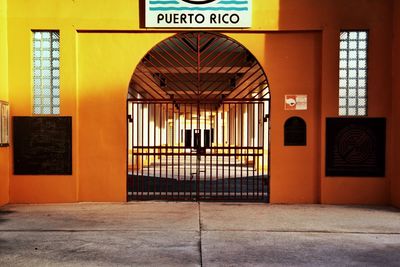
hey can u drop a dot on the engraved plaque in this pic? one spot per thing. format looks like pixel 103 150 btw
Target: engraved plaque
pixel 355 147
pixel 42 145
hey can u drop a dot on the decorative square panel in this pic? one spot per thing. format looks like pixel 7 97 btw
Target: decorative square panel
pixel 355 147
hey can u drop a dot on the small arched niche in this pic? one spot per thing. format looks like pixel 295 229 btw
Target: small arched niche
pixel 295 132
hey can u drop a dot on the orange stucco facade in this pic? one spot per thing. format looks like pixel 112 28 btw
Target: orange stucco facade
pixel 395 186
pixel 295 41
pixel 4 151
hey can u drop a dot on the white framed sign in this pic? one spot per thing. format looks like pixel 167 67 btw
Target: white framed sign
pixel 295 102
pixel 4 123
pixel 198 13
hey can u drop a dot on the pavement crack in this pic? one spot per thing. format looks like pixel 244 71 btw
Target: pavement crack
pixel 92 230
pixel 304 231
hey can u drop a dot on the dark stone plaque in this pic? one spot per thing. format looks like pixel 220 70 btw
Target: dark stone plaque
pixel 42 145
pixel 295 133
pixel 355 147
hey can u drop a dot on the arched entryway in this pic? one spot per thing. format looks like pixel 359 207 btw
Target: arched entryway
pixel 198 109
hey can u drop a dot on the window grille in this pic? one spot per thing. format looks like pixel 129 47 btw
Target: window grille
pixel 46 72
pixel 353 73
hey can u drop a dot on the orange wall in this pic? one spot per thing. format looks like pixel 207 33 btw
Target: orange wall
pixel 4 176
pixel 96 68
pixel 4 151
pixel 331 17
pixel 396 106
pixel 346 190
pixel 38 188
pixel 103 78
pixel 293 67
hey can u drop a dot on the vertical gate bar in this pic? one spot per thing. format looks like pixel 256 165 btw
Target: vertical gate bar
pixel 129 150
pixel 229 150
pixel 128 127
pixel 137 149
pixel 205 154
pixel 134 159
pixel 173 150
pixel 207 43
pixel 223 150
pixel 159 183
pixel 184 155
pixel 211 148
pixel 248 151
pixel 154 148
pixel 135 153
pixel 142 155
pixel 268 151
pixel 234 146
pixel 258 146
pixel 192 137
pixel 166 150
pixel 148 150
pixel 198 157
pixel 179 151
pixel 263 145
pixel 241 149
pixel 249 106
pixel 132 125
pixel 254 142
pixel 216 136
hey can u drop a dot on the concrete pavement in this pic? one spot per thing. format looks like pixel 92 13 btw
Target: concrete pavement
pixel 198 234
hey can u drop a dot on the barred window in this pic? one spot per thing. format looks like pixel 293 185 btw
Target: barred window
pixel 353 73
pixel 46 72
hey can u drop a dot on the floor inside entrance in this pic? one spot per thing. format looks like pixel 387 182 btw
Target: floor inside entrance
pixel 208 176
pixel 198 234
pixel 185 168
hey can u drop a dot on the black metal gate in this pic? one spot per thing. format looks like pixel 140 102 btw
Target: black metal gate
pixel 198 120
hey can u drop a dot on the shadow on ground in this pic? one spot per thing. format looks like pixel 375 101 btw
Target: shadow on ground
pixel 4 213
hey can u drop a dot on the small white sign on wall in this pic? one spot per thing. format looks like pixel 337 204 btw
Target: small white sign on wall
pixel 295 102
pixel 198 13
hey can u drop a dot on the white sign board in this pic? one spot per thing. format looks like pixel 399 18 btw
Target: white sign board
pixel 198 13
pixel 295 102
